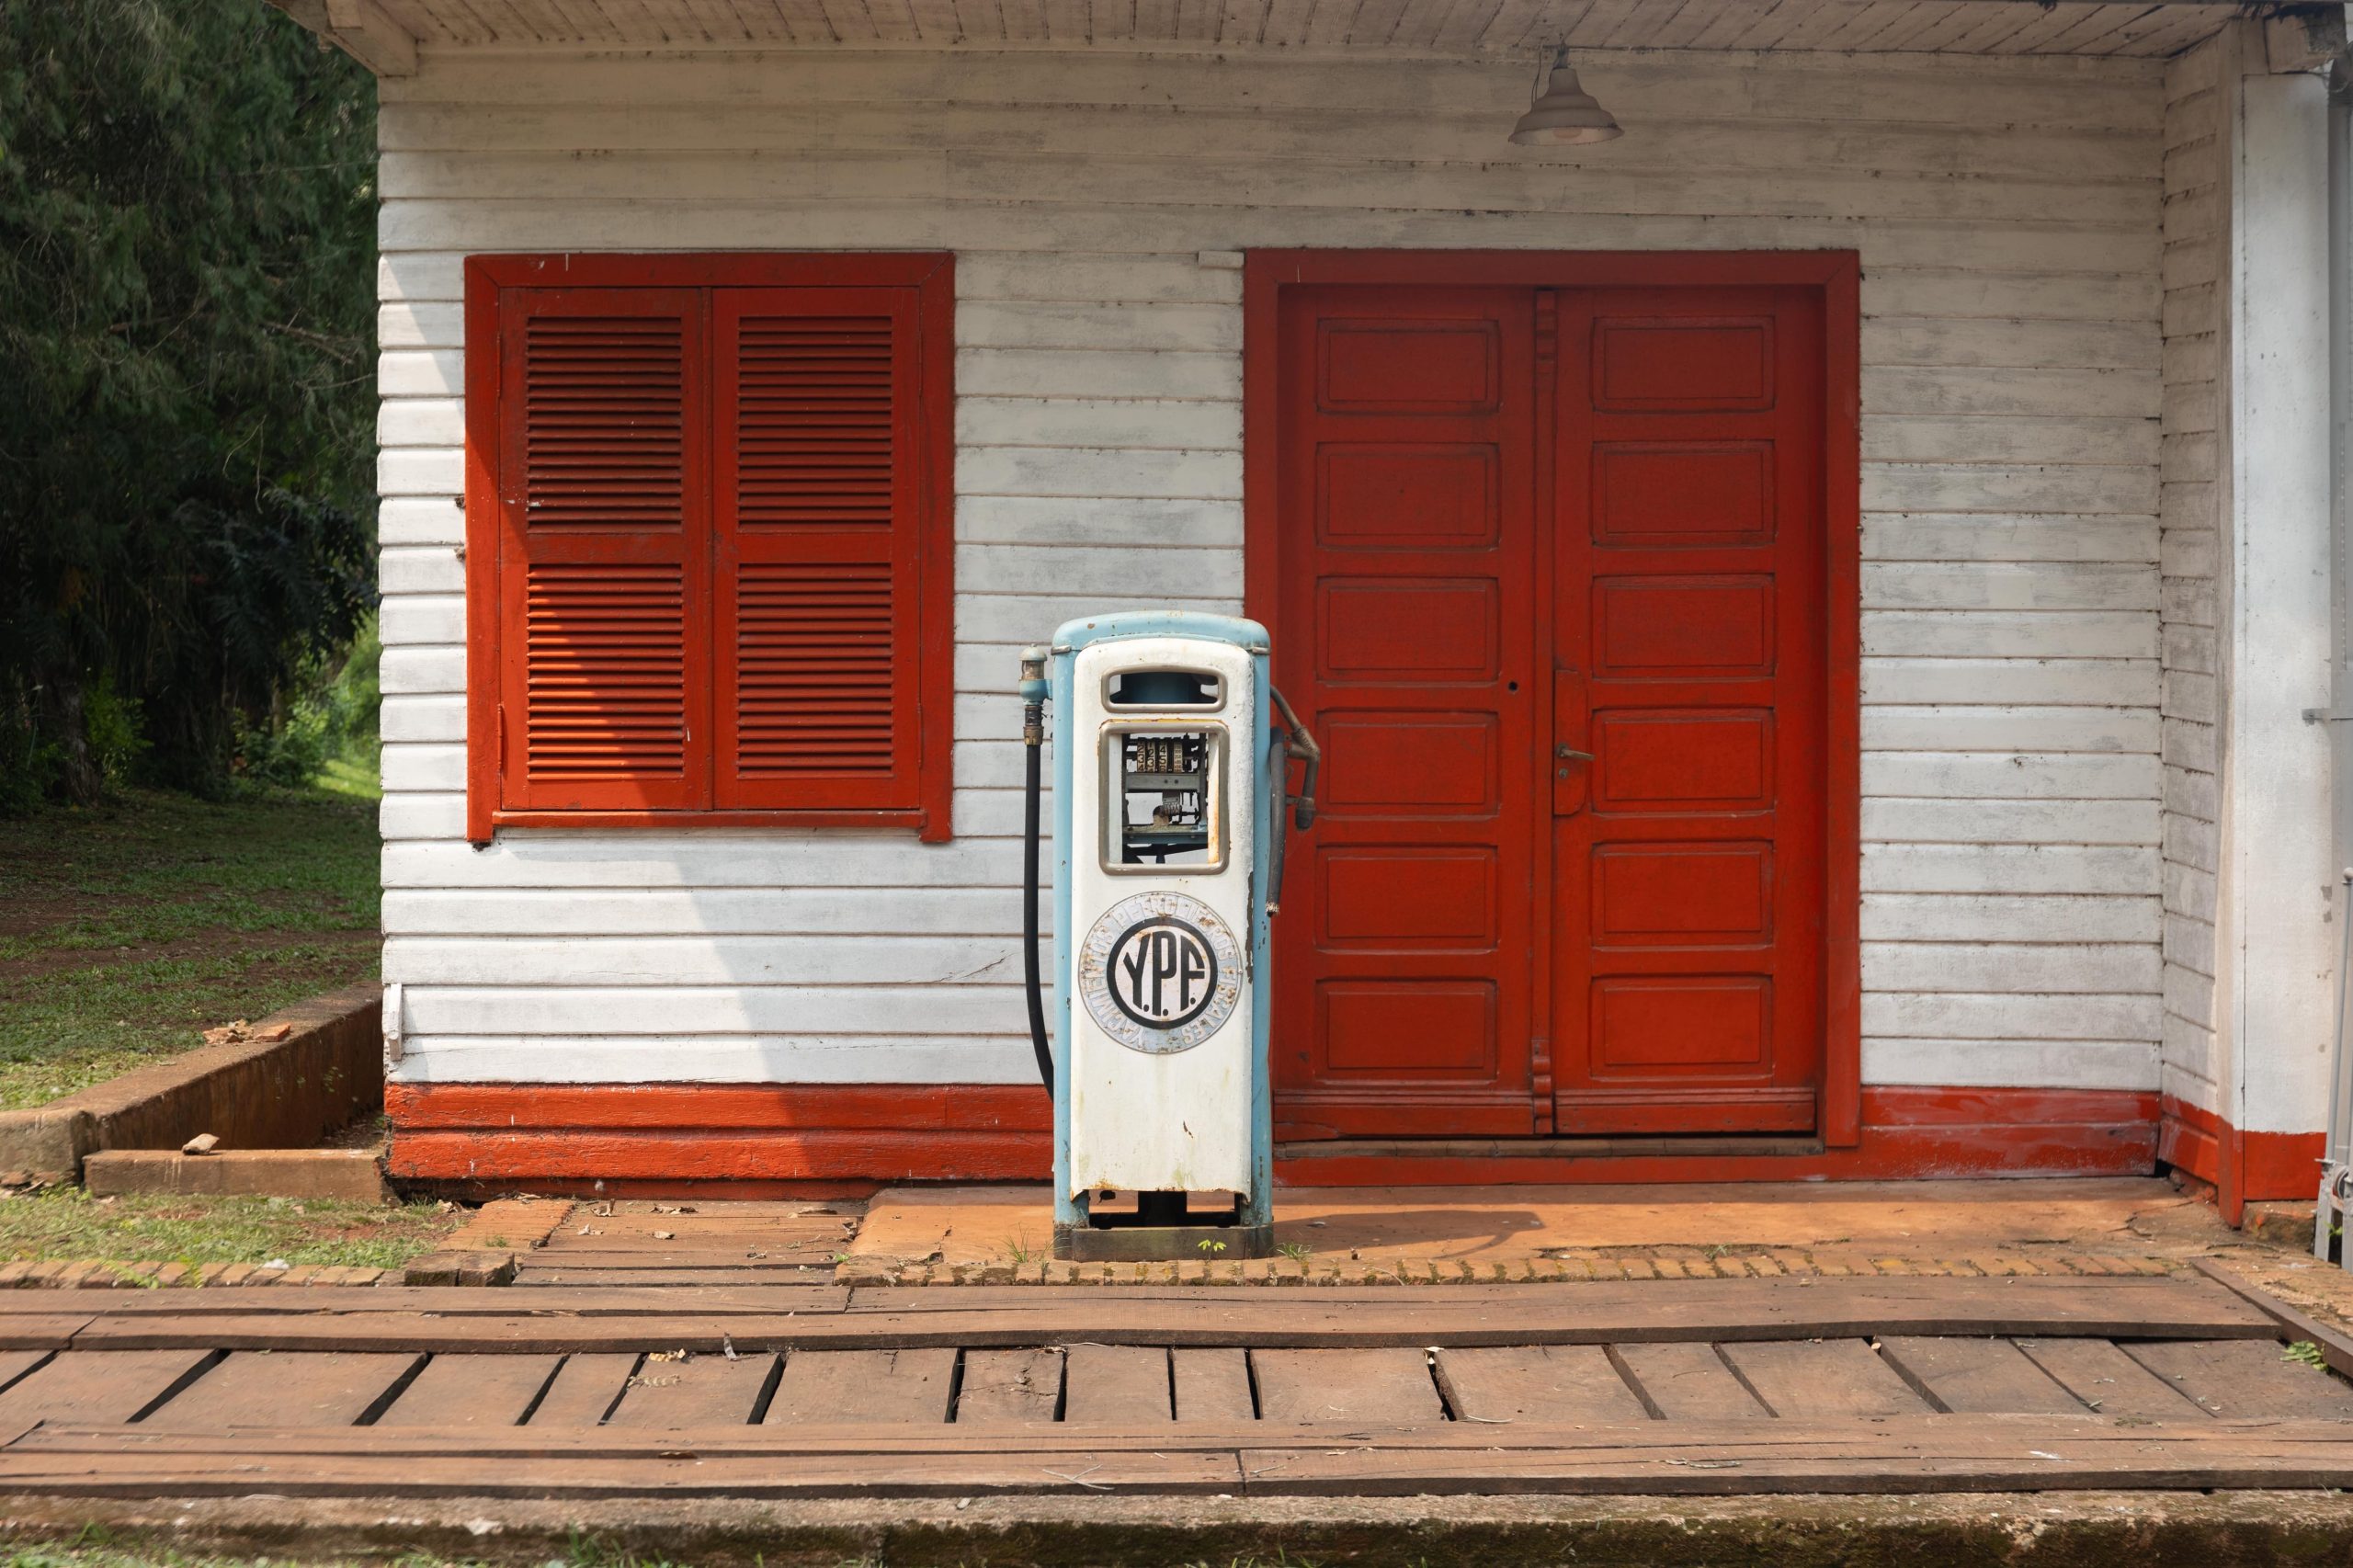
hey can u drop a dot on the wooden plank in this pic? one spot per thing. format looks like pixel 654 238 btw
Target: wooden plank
pixel 1002 1386
pixel 1935 1454
pixel 585 1390
pixel 2336 1345
pixel 15 1364
pixel 1212 1386
pixel 1686 1382
pixel 1116 1385
pixel 1539 1382
pixel 99 1385
pixel 1323 1387
pixel 1594 1313
pixel 305 1388
pixel 1069 1472
pixel 1980 1376
pixel 2243 1378
pixel 835 1386
pixel 2020 1459
pixel 984 1317
pixel 472 1390
pixel 748 1299
pixel 50 1330
pixel 1801 1379
pixel 701 1391
pixel 2109 1381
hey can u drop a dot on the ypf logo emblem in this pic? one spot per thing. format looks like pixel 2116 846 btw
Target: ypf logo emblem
pixel 1160 972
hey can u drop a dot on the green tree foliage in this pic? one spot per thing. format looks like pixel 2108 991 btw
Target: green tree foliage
pixel 186 237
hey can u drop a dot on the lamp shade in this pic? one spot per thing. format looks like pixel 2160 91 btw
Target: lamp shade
pixel 1563 112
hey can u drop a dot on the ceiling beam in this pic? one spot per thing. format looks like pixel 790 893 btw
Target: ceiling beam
pixel 360 28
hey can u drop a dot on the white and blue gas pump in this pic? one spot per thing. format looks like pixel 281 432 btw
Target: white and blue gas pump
pixel 1172 805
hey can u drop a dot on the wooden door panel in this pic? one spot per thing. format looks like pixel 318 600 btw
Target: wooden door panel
pixel 1689 651
pixel 1402 969
pixel 1570 682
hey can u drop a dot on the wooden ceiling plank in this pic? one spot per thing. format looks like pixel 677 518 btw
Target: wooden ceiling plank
pixel 1767 24
pixel 1418 24
pixel 428 23
pixel 1196 20
pixel 976 20
pixel 1243 22
pixel 1286 23
pixel 1602 18
pixel 2044 27
pixel 1329 24
pixel 1686 24
pixel 852 20
pixel 1517 25
pixel 1951 21
pixel 1883 28
pixel 2096 28
pixel 1995 20
pixel 935 20
pixel 894 20
pixel 1376 22
pixel 1466 23
pixel 1155 21
pixel 1815 30
pixel 632 23
pixel 2165 31
pixel 547 21
pixel 1067 21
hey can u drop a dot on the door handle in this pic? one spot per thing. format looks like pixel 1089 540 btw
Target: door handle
pixel 1571 753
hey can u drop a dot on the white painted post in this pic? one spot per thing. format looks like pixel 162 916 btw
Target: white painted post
pixel 2278 893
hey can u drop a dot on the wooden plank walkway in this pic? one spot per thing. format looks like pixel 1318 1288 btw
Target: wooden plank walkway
pixel 1685 1387
pixel 642 1242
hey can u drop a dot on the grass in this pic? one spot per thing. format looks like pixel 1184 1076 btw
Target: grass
pixel 128 929
pixel 69 1224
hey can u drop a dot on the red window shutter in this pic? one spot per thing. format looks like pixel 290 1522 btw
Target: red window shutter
pixel 819 476
pixel 604 543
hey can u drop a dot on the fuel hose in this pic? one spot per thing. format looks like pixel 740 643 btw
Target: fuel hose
pixel 1033 746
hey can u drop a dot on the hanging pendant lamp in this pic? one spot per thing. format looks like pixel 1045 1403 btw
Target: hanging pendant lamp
pixel 1563 112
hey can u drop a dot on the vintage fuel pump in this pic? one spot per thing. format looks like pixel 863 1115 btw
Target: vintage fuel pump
pixel 1171 791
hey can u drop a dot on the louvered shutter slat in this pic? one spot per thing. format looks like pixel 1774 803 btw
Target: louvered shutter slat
pixel 605 535
pixel 817 508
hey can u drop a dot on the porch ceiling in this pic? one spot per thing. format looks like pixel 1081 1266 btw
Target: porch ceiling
pixel 1412 27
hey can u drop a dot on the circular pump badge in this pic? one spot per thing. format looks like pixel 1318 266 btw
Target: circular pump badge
pixel 1160 972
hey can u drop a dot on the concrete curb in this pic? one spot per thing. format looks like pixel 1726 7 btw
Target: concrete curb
pixel 1961 1530
pixel 348 1175
pixel 281 1094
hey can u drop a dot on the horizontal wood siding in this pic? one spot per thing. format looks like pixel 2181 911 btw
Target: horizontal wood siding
pixel 2198 152
pixel 2007 213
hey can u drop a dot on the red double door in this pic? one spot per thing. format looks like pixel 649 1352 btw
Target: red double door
pixel 1550 590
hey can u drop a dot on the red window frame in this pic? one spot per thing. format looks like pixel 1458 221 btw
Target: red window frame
pixel 930 277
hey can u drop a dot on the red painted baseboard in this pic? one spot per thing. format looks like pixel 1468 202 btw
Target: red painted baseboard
pixel 543 1134
pixel 2243 1168
pixel 664 1137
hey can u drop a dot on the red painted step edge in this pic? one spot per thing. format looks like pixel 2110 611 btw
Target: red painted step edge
pixel 663 1136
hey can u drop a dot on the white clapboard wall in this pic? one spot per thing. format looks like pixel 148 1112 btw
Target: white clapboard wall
pixel 2198 159
pixel 2007 211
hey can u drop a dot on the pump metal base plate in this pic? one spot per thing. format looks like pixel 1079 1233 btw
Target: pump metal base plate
pixel 1161 1244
